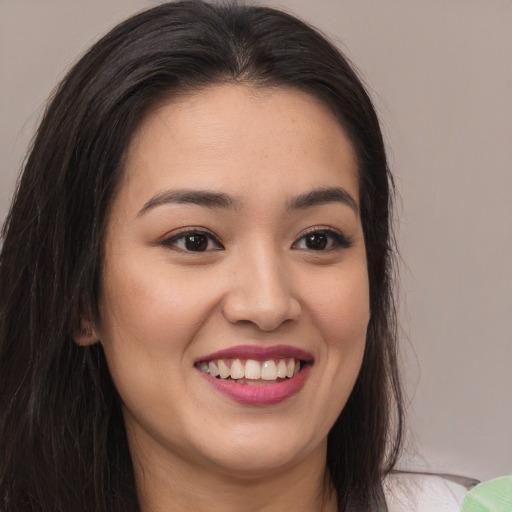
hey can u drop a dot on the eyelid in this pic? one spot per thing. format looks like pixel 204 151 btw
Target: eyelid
pixel 341 241
pixel 169 239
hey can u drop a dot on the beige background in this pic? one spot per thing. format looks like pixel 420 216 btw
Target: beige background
pixel 441 75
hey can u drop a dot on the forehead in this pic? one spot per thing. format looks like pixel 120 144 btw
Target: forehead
pixel 242 138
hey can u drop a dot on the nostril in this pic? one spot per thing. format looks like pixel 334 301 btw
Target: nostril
pixel 266 315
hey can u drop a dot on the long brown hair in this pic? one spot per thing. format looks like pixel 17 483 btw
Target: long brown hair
pixel 62 441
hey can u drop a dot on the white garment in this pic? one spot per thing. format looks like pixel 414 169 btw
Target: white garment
pixel 409 492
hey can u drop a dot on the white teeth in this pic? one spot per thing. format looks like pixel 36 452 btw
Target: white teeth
pixel 237 370
pixel 269 370
pixel 252 369
pixel 212 367
pixel 224 371
pixel 281 369
pixel 290 368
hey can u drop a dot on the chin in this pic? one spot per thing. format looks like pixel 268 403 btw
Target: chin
pixel 252 455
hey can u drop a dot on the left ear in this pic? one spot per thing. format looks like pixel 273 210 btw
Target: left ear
pixel 86 334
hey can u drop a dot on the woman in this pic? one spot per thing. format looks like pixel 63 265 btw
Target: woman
pixel 196 296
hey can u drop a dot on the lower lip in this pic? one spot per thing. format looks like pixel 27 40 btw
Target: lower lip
pixel 259 394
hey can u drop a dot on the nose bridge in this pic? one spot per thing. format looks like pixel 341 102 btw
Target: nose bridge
pixel 261 291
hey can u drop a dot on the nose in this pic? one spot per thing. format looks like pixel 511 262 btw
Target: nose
pixel 261 294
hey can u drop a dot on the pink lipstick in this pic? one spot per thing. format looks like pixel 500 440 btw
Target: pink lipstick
pixel 259 353
pixel 255 375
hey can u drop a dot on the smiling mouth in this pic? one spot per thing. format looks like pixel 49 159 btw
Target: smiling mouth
pixel 252 371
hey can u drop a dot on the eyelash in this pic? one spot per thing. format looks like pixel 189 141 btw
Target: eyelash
pixel 337 240
pixel 171 242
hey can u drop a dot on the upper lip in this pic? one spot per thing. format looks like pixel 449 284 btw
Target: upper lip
pixel 258 353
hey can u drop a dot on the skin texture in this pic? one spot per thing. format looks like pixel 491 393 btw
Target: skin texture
pixel 257 283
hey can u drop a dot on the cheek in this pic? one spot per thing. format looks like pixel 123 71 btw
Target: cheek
pixel 149 307
pixel 149 318
pixel 342 310
pixel 341 314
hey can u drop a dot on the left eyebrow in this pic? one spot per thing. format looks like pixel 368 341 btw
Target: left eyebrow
pixel 323 196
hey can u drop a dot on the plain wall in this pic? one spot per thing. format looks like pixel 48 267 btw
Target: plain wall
pixel 440 72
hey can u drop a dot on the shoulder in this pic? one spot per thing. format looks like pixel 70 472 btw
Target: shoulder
pixel 416 492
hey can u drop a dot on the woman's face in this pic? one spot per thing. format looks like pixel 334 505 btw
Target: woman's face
pixel 235 246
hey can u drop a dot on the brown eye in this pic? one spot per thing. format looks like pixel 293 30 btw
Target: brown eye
pixel 193 241
pixel 322 240
pixel 196 242
pixel 316 241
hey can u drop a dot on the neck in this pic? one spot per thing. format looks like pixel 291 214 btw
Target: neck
pixel 171 483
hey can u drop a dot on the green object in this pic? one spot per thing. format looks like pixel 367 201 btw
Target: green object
pixel 492 496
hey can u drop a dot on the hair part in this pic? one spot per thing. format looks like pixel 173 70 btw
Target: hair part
pixel 62 440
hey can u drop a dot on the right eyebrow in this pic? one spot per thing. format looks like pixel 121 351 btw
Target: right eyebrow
pixel 206 198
